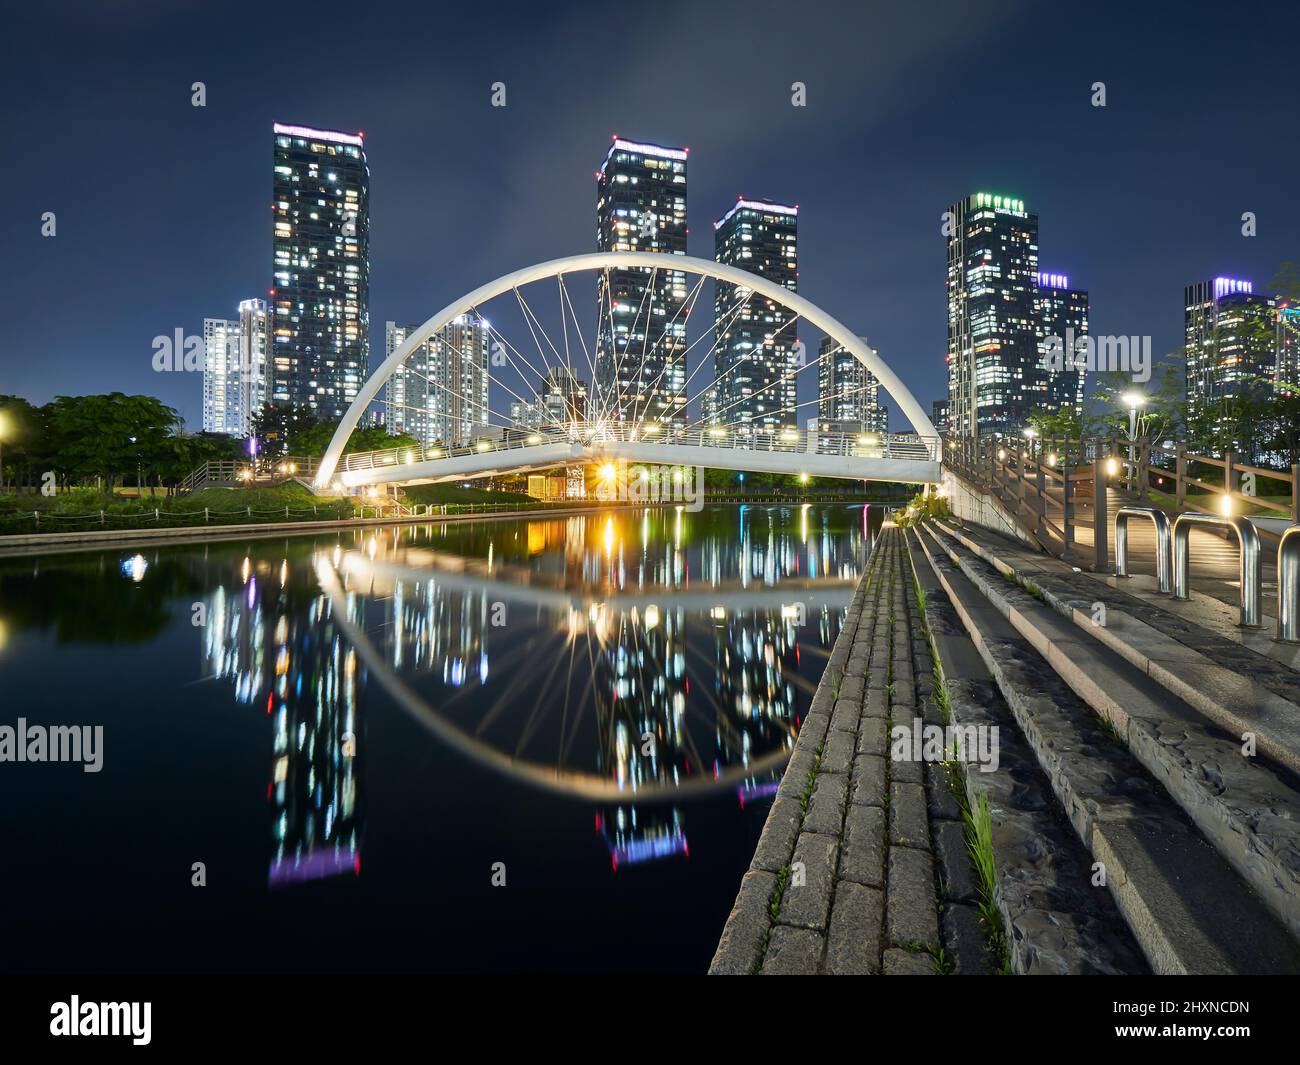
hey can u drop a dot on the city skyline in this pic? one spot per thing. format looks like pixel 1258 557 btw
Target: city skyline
pixel 867 233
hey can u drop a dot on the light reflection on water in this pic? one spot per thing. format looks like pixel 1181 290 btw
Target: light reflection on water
pixel 640 663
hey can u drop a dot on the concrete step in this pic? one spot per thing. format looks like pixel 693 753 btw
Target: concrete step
pixel 1186 905
pixel 1056 922
pixel 1231 683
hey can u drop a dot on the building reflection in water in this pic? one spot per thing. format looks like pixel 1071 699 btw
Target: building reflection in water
pixel 601 652
pixel 276 643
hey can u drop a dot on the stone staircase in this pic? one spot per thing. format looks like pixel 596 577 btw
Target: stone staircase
pixel 1172 748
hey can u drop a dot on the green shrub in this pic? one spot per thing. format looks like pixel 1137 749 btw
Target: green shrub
pixel 923 508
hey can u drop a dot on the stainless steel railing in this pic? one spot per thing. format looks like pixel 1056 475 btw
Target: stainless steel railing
pixel 1288 586
pixel 1249 560
pixel 1164 562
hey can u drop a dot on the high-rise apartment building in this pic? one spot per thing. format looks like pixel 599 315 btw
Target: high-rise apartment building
pixel 939 415
pixel 1288 342
pixel 641 340
pixel 848 393
pixel 1231 341
pixel 234 369
pixel 440 394
pixel 320 295
pixel 220 376
pixel 1063 320
pixel 754 387
pixel 995 375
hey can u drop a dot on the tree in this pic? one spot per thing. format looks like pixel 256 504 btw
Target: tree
pixel 276 427
pixel 106 435
pixel 23 440
pixel 1163 414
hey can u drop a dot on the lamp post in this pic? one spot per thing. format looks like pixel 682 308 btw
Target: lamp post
pixel 1029 433
pixel 1132 400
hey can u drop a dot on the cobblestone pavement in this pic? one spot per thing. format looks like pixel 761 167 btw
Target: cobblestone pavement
pixel 862 866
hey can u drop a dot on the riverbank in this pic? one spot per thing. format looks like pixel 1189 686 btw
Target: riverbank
pixel 843 880
pixel 91 539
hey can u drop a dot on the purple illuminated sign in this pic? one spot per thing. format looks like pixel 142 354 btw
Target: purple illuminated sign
pixel 1225 286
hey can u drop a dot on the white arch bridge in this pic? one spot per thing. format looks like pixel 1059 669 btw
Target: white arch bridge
pixel 611 432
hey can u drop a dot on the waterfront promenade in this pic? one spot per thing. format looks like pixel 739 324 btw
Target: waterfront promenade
pixel 1125 827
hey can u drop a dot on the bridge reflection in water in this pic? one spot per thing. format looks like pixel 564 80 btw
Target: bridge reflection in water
pixel 633 660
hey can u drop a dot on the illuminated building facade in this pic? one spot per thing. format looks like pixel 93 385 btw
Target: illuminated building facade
pixel 234 368
pixel 1288 342
pixel 321 248
pixel 848 393
pixel 939 415
pixel 1062 314
pixel 995 376
pixel 560 398
pixel 1231 342
pixel 221 413
pixel 641 341
pixel 440 394
pixel 754 386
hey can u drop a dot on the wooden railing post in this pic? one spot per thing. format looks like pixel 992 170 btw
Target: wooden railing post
pixel 1040 515
pixel 1180 479
pixel 1229 475
pixel 1101 549
pixel 1067 511
pixel 1295 496
pixel 1022 490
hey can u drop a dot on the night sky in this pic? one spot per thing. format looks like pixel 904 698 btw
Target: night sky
pixel 163 208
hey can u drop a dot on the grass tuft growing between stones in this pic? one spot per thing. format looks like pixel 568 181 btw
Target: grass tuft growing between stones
pixel 778 893
pixel 978 822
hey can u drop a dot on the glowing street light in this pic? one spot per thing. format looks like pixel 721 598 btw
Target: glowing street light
pixel 1132 400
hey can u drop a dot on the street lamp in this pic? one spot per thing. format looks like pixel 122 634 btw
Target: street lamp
pixel 139 490
pixel 1029 433
pixel 1132 400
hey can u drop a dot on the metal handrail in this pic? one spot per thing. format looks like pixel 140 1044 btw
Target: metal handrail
pixel 1164 563
pixel 1249 561
pixel 1288 585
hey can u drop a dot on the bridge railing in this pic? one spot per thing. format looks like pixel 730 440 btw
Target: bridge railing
pixel 791 441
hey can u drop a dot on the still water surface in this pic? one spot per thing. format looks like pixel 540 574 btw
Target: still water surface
pixel 357 733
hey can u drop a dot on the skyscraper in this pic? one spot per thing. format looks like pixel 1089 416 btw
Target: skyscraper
pixel 1232 342
pixel 321 246
pixel 1288 342
pixel 234 369
pixel 220 376
pixel 440 394
pixel 1063 315
pixel 754 388
pixel 848 393
pixel 939 415
pixel 641 340
pixel 995 376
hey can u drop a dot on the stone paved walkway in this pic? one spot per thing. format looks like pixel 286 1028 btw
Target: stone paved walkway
pixel 862 865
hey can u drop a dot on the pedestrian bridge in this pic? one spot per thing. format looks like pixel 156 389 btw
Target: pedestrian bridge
pixel 907 459
pixel 636 362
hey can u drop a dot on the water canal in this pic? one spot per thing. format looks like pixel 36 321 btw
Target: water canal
pixel 361 735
